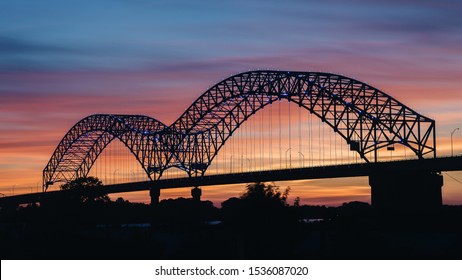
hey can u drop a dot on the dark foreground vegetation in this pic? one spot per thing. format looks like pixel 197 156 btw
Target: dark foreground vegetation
pixel 257 225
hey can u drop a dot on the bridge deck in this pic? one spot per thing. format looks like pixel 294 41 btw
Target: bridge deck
pixel 336 171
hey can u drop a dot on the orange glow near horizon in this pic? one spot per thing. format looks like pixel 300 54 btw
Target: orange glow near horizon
pixel 247 150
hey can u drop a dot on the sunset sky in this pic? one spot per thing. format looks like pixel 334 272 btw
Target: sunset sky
pixel 63 60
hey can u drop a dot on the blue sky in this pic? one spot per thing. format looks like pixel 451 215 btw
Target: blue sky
pixel 134 35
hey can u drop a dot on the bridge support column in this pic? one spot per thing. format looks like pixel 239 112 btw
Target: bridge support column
pixel 155 195
pixel 196 193
pixel 406 191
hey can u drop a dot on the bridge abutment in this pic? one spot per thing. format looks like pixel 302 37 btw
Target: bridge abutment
pixel 406 191
pixel 155 196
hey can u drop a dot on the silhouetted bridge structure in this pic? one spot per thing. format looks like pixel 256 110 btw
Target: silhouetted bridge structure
pixel 411 178
pixel 366 119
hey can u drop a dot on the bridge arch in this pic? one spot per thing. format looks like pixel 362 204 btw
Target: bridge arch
pixel 86 140
pixel 367 118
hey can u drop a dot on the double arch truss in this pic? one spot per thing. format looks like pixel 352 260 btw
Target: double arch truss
pixel 367 118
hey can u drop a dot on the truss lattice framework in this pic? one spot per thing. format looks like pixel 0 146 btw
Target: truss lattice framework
pixel 367 118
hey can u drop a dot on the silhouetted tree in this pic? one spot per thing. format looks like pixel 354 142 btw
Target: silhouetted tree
pixel 185 211
pixel 297 202
pixel 86 190
pixel 258 215
pixel 259 204
pixel 120 200
pixel 269 193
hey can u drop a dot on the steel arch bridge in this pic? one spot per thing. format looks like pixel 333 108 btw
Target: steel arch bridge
pixel 365 117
